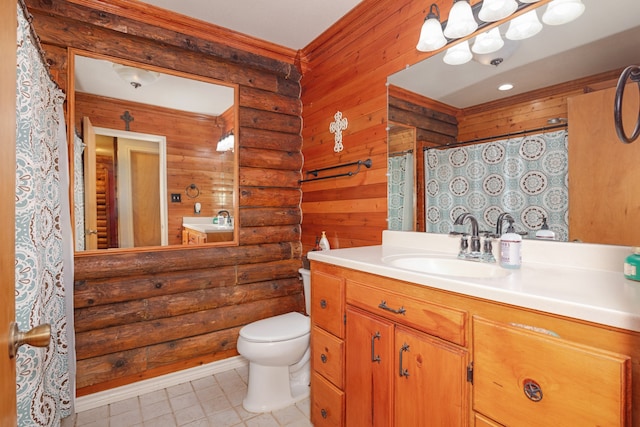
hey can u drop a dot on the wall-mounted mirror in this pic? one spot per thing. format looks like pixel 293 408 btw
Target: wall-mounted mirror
pixel 155 158
pixel 606 37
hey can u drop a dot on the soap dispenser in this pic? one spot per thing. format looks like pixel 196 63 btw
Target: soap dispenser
pixel 544 232
pixel 324 242
pixel 510 249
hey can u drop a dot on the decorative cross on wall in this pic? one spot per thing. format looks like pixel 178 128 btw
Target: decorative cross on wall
pixel 127 118
pixel 336 128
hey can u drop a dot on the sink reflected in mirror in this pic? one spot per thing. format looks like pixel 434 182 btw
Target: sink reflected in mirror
pixel 445 266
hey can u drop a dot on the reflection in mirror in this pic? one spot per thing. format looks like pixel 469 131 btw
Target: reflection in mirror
pixel 459 104
pixel 402 206
pixel 154 157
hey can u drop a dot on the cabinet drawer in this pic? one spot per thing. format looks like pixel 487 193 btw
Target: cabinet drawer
pixel 327 302
pixel 327 403
pixel 480 421
pixel 521 377
pixel 327 355
pixel 440 321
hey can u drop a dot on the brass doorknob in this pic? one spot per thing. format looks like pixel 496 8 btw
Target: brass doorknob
pixel 40 336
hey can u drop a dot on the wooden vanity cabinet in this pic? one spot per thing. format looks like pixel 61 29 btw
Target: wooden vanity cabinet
pixel 467 359
pixel 327 347
pixel 193 237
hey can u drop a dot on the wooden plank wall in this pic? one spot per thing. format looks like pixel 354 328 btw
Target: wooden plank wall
pixel 191 152
pixel 526 111
pixel 346 71
pixel 434 123
pixel 140 314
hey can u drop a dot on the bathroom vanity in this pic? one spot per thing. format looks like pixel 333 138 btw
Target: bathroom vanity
pixel 556 342
pixel 200 230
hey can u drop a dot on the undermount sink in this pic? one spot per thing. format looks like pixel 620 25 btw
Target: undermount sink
pixel 445 266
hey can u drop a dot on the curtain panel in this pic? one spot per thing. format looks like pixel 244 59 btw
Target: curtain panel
pixel 526 177
pixel 44 391
pixel 400 191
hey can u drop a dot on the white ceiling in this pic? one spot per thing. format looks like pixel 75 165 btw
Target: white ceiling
pixel 98 77
pixel 290 23
pixel 568 50
pixel 605 37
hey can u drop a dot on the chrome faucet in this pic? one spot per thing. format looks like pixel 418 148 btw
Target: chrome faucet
pixel 475 237
pixel 501 219
pixel 224 212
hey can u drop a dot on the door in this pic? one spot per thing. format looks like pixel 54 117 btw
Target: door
pixel 369 367
pixel 90 180
pixel 139 199
pixel 603 172
pixel 7 207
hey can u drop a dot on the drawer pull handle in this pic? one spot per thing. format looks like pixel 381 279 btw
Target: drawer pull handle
pixel 324 413
pixel 323 357
pixel 374 358
pixel 532 390
pixel 383 305
pixel 403 372
pixel 323 303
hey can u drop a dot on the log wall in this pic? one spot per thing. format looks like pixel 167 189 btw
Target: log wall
pixel 144 313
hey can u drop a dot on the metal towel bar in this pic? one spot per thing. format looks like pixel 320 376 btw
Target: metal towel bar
pixel 367 163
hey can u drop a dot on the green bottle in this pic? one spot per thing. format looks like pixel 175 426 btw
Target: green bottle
pixel 632 265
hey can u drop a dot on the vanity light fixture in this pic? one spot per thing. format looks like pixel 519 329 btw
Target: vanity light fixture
pixel 524 26
pixel 226 143
pixel 488 42
pixel 431 36
pixel 458 54
pixel 495 10
pixel 560 12
pixel 136 77
pixel 461 22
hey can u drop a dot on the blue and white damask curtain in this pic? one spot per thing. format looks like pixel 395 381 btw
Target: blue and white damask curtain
pixel 44 261
pixel 400 169
pixel 525 176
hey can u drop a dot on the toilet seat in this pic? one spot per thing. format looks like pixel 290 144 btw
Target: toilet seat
pixel 278 328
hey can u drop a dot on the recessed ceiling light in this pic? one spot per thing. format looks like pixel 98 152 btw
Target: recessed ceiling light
pixel 505 86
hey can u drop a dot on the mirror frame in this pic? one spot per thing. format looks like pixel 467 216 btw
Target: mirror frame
pixel 71 118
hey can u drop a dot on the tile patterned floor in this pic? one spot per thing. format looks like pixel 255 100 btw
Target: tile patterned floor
pixel 211 401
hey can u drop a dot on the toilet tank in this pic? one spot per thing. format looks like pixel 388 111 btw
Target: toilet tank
pixel 306 283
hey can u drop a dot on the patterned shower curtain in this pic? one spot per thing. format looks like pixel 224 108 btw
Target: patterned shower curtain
pixel 400 192
pixel 525 176
pixel 43 258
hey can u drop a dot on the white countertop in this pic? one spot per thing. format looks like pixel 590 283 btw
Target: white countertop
pixel 582 281
pixel 204 224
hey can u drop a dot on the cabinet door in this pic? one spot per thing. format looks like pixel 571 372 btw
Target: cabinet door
pixel 522 377
pixel 431 386
pixel 369 366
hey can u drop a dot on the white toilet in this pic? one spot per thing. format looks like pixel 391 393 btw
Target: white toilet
pixel 278 352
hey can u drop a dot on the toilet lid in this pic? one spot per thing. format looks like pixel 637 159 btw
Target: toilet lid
pixel 278 328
